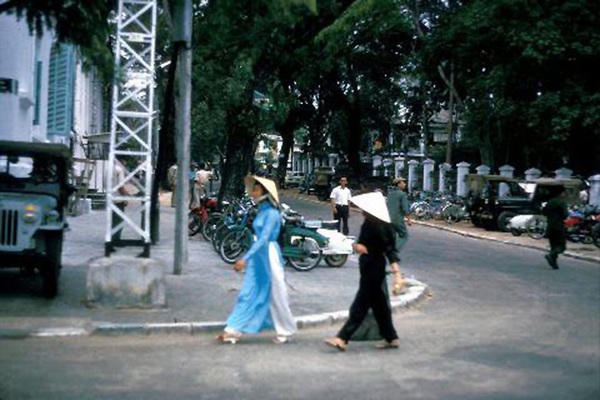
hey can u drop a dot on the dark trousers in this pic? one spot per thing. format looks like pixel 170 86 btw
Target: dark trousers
pixel 370 295
pixel 401 236
pixel 342 218
pixel 558 241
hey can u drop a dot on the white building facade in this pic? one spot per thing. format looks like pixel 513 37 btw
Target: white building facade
pixel 45 95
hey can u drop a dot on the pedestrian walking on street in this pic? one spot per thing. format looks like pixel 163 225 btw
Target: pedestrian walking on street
pixel 399 208
pixel 263 300
pixel 172 179
pixel 118 178
pixel 340 195
pixel 556 213
pixel 375 243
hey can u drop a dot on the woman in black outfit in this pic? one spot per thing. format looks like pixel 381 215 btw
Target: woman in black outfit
pixel 375 243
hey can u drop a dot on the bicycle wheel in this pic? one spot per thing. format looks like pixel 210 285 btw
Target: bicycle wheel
pixel 235 244
pixel 536 227
pixel 596 234
pixel 312 254
pixel 210 226
pixel 194 223
pixel 451 213
pixel 219 234
pixel 422 211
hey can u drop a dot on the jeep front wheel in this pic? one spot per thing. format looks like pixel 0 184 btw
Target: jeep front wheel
pixel 52 264
pixel 49 274
pixel 503 220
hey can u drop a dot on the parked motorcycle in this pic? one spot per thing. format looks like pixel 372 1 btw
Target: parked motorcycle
pixel 580 225
pixel 200 214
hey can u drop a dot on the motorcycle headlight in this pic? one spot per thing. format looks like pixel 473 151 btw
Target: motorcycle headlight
pixel 31 214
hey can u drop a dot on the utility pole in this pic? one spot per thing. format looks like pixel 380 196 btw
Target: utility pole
pixel 182 36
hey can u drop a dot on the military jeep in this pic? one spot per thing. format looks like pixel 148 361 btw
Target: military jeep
pixel 492 200
pixel 34 191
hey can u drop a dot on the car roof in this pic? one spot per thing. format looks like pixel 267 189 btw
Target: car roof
pixel 557 182
pixel 492 178
pixel 34 148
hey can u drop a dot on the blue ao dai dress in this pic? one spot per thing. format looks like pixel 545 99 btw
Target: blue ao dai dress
pixel 263 300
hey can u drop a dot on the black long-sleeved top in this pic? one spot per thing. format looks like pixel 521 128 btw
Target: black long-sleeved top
pixel 378 237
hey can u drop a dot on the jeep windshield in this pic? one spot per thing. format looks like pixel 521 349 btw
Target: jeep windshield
pixel 15 170
pixel 514 190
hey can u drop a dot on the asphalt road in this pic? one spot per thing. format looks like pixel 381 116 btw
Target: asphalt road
pixel 501 325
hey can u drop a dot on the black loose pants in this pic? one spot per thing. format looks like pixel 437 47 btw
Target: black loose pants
pixel 370 296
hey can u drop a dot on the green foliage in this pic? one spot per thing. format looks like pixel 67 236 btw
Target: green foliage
pixel 525 74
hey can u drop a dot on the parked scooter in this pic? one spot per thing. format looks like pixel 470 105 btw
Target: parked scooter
pixel 339 246
pixel 301 246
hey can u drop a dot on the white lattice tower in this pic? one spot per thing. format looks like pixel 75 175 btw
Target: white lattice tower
pixel 131 139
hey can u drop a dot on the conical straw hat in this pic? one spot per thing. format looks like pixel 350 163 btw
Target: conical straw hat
pixel 374 204
pixel 267 183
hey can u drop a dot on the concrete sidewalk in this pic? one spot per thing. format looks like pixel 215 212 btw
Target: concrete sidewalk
pixel 199 299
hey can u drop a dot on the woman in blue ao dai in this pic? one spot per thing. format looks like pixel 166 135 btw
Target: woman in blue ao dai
pixel 263 300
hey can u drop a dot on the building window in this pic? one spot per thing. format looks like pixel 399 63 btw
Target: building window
pixel 38 91
pixel 61 82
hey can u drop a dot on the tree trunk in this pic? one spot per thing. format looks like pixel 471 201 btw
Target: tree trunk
pixel 165 153
pixel 450 126
pixel 353 114
pixel 239 157
pixel 287 134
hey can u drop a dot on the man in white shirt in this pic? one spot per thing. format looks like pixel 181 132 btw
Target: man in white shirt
pixel 339 205
pixel 202 178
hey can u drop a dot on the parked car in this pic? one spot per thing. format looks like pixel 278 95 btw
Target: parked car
pixel 34 191
pixel 493 200
pixel 294 179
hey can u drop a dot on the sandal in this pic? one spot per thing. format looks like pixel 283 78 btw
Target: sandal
pixel 336 343
pixel 228 337
pixel 280 339
pixel 384 344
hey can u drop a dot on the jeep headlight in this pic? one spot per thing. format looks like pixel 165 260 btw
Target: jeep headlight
pixel 31 214
pixel 52 217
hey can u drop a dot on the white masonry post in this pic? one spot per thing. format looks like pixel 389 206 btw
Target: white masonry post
pixel 483 170
pixel 563 173
pixel 532 174
pixel 594 198
pixel 462 172
pixel 507 171
pixel 445 167
pixel 428 166
pixel 412 176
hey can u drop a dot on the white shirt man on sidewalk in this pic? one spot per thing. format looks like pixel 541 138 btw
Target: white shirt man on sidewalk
pixel 340 195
